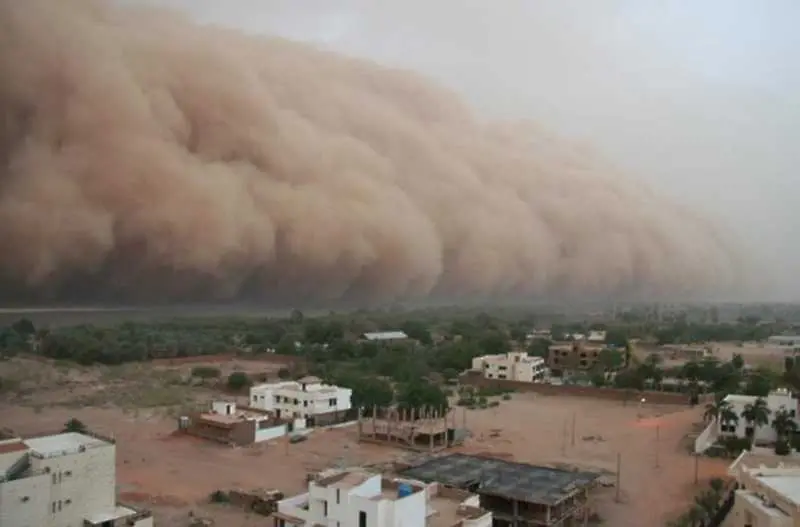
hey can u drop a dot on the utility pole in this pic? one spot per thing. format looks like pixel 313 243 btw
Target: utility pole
pixel 658 439
pixel 564 439
pixel 619 468
pixel 573 428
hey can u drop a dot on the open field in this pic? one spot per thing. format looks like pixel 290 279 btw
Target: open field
pixel 174 475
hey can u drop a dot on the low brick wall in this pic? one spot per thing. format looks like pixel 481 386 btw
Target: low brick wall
pixel 613 394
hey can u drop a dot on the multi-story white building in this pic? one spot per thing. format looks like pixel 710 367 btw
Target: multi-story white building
pixel 62 480
pixel 513 366
pixel 307 398
pixel 354 498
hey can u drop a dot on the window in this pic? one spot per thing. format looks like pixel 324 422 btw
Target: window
pixel 255 398
pixel 501 376
pixel 338 496
pixel 67 502
pixel 24 499
pixel 53 506
pixel 584 363
pixel 296 401
pixel 68 473
pixel 325 509
pixel 332 402
pixel 502 368
pixel 305 403
pixel 55 479
pixel 362 519
pixel 59 505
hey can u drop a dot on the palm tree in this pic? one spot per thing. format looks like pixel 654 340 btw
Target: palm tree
pixel 756 414
pixel 783 423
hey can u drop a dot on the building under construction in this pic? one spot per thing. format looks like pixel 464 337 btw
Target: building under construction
pixel 418 430
pixel 517 494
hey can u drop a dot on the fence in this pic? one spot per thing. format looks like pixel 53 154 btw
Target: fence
pixel 615 394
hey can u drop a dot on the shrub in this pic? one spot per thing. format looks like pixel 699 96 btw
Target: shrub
pixel 238 380
pixel 219 496
pixel 506 396
pixel 74 425
pixel 782 448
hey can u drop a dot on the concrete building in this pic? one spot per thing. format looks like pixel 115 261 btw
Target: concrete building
pixel 767 491
pixel 355 498
pixel 515 493
pixel 776 400
pixel 419 430
pixel 573 356
pixel 62 480
pixel 307 398
pixel 226 423
pixel 513 366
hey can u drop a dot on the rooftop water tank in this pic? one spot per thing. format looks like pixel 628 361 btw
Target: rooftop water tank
pixel 403 490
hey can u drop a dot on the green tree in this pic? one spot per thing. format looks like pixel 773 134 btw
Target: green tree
pixel 24 327
pixel 238 380
pixel 421 396
pixel 783 423
pixel 756 414
pixel 737 361
pixel 611 359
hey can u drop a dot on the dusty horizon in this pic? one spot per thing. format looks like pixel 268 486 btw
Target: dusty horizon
pixel 149 158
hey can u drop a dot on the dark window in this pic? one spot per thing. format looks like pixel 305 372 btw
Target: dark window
pixel 332 402
pixel 337 496
pixel 501 376
pixel 362 519
pixel 325 508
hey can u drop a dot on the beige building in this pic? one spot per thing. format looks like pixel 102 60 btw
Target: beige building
pixel 768 490
pixel 514 366
pixel 62 480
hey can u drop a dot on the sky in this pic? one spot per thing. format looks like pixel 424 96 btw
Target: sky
pixel 698 99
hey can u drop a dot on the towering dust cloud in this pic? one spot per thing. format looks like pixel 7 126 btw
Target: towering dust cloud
pixel 146 158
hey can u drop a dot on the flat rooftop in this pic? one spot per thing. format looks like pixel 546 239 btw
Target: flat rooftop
pixel 788 486
pixel 63 444
pixel 520 481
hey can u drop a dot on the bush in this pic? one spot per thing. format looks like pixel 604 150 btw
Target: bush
pixel 734 445
pixel 206 372
pixel 506 396
pixel 74 425
pixel 782 448
pixel 219 496
pixel 238 380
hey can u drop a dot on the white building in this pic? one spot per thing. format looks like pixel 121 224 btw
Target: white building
pixel 354 498
pixel 596 336
pixel 790 343
pixel 776 400
pixel 513 366
pixel 307 398
pixel 62 480
pixel 767 493
pixel 384 336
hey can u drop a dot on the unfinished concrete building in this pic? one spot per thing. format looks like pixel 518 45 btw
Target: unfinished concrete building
pixel 418 430
pixel 517 494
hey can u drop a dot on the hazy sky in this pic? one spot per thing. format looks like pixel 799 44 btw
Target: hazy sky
pixel 699 98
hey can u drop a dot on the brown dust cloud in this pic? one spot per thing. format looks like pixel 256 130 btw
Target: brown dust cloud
pixel 148 158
